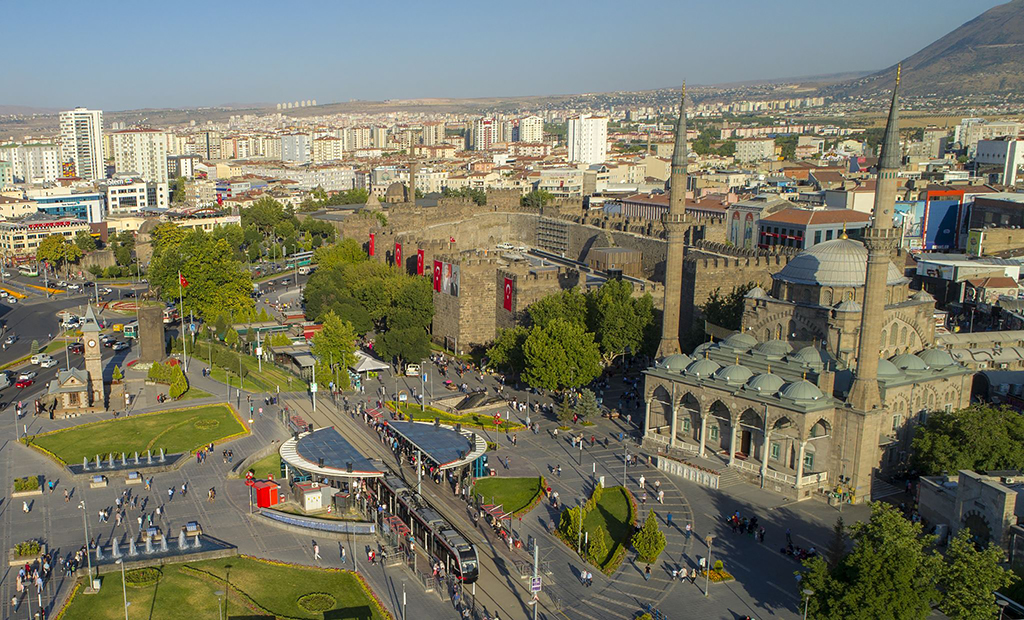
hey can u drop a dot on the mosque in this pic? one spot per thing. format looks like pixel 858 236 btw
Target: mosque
pixel 831 370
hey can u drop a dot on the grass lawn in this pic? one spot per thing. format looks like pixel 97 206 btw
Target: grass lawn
pixel 270 464
pixel 266 381
pixel 514 494
pixel 182 594
pixel 177 430
pixel 194 392
pixel 610 519
pixel 412 412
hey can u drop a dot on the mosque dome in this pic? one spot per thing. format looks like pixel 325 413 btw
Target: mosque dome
pixel 766 383
pixel 812 356
pixel 887 369
pixel 937 358
pixel 774 348
pixel 757 293
pixel 909 362
pixel 676 362
pixel 702 368
pixel 734 374
pixel 701 348
pixel 848 305
pixel 922 296
pixel 740 341
pixel 801 391
pixel 839 262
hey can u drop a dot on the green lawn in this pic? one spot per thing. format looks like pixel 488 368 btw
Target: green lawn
pixel 412 412
pixel 270 464
pixel 514 494
pixel 177 430
pixel 266 380
pixel 610 519
pixel 182 594
pixel 194 392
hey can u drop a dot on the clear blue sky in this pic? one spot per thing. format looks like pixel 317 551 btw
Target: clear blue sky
pixel 119 55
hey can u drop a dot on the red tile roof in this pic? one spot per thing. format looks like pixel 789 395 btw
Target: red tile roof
pixel 807 217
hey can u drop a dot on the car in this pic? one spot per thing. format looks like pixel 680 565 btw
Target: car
pixel 50 363
pixel 121 346
pixel 37 358
pixel 76 347
pixel 23 383
pixel 62 284
pixel 286 281
pixel 28 375
pixel 88 284
pixel 7 274
pixel 3 293
pixel 11 300
pixel 129 294
pixel 109 343
pixel 74 287
pixel 10 339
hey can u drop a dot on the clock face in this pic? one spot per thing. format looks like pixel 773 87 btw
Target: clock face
pixel 92 343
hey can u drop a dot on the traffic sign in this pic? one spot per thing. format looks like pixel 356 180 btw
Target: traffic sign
pixel 535 584
pixel 312 387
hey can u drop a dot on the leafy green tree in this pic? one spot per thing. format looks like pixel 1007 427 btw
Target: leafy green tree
pixel 279 340
pixel 34 347
pixel 836 550
pixel 263 316
pixel 560 355
pixel 506 352
pixel 478 196
pixel 587 406
pixel 334 347
pixel 405 344
pixel 570 305
pixel 598 549
pixel 969 578
pixel 84 241
pixel 890 555
pixel 231 338
pixel 535 199
pixel 979 437
pixel 788 144
pixel 649 541
pixel 726 310
pixel 619 321
pixel 179 385
pixel 167 235
pixel 58 251
pixel 570 522
pixel 117 375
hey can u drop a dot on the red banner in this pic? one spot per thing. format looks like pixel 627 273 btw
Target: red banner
pixel 437 276
pixel 373 238
pixel 508 295
pixel 419 262
pixel 398 254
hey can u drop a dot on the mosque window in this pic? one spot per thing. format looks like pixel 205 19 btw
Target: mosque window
pixel 903 336
pixel 714 433
pixel 896 421
pixel 883 336
pixel 808 461
pixel 828 235
pixel 892 337
pixel 774 451
pixel 686 425
pixel 827 295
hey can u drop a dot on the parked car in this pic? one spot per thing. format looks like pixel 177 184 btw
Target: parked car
pixel 28 375
pixel 120 346
pixel 74 287
pixel 7 274
pixel 23 383
pixel 12 300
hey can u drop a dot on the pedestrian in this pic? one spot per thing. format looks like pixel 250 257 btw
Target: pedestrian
pixel 24 507
pixel 647 573
pixel 789 537
pixel 140 522
pixel 689 530
pixel 557 469
pixel 316 551
pixel 642 481
pixel 661 496
pixel 342 554
pixel 183 488
pixel 682 574
pixel 668 519
pixel 170 494
pixel 67 496
pixel 49 483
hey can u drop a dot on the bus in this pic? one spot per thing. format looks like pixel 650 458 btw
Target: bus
pixel 299 259
pixel 131 330
pixel 28 270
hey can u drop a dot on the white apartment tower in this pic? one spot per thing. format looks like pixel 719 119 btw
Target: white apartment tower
pixel 531 129
pixel 588 139
pixel 81 142
pixel 143 152
pixel 484 133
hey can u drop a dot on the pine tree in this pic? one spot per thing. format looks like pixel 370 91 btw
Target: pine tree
pixel 117 375
pixel 588 407
pixel 649 542
pixel 565 411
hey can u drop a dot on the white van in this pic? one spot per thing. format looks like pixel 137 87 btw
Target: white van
pixel 412 370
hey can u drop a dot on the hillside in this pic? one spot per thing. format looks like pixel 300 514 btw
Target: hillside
pixel 984 56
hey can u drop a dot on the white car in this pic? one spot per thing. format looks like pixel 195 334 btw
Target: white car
pixel 73 287
pixel 62 283
pixel 27 375
pixel 12 300
pixel 50 363
pixel 3 293
pixel 39 358
pixel 7 274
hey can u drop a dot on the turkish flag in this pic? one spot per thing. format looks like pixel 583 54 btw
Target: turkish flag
pixel 419 262
pixel 437 275
pixel 398 254
pixel 508 295
pixel 373 238
pixel 182 281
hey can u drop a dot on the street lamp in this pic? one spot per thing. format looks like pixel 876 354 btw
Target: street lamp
pixel 85 524
pixel 124 589
pixel 1003 603
pixel 579 533
pixel 220 610
pixel 808 593
pixel 707 570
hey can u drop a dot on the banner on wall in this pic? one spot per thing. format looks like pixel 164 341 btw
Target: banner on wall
pixel 419 262
pixel 373 239
pixel 398 254
pixel 507 301
pixel 437 276
pixel 455 281
pixel 446 277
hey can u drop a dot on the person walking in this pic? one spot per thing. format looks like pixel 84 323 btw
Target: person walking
pixel 342 553
pixel 682 574
pixel 647 573
pixel 689 530
pixel 316 551
pixel 668 519
pixel 643 481
pixel 170 494
pixel 24 507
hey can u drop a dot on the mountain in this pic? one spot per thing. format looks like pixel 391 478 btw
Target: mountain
pixel 985 56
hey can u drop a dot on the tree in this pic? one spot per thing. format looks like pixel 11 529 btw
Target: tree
pixel 535 199
pixel 84 241
pixel 506 352
pixel 117 375
pixel 837 545
pixel 979 437
pixel 57 251
pixel 334 347
pixel 726 310
pixel 649 541
pixel 231 338
pixel 565 411
pixel 179 385
pixel 788 144
pixel 570 522
pixel 969 578
pixel 570 305
pixel 619 321
pixel 889 555
pixel 279 340
pixel 598 548
pixel 409 343
pixel 587 406
pixel 34 348
pixel 560 355
pixel 178 191
pixel 347 252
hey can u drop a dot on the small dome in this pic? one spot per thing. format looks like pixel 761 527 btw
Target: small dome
pixel 839 262
pixel 909 362
pixel 676 362
pixel 740 342
pixel 701 348
pixel 774 348
pixel 887 369
pixel 922 296
pixel 702 368
pixel 802 390
pixel 757 293
pixel 734 374
pixel 766 383
pixel 812 356
pixel 848 306
pixel 937 358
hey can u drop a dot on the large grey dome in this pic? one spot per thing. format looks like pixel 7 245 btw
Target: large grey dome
pixel 812 356
pixel 766 383
pixel 734 374
pixel 676 362
pixel 839 262
pixel 702 368
pixel 740 341
pixel 909 362
pixel 774 348
pixel 802 390
pixel 937 358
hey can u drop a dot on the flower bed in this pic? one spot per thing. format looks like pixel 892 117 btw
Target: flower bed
pixel 470 420
pixel 142 577
pixel 26 484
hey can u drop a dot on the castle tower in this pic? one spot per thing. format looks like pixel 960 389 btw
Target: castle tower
pixel 880 239
pixel 675 229
pixel 93 358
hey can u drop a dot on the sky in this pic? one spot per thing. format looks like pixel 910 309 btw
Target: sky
pixel 120 56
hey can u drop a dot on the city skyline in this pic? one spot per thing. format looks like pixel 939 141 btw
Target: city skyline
pixel 259 60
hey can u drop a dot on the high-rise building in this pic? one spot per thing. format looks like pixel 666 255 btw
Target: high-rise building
pixel 142 152
pixel 379 136
pixel 588 138
pixel 32 163
pixel 484 134
pixel 81 142
pixel 531 129
pixel 296 147
pixel 433 133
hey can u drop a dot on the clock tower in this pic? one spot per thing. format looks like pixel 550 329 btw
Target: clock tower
pixel 93 359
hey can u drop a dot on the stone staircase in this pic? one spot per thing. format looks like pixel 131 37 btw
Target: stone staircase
pixel 729 476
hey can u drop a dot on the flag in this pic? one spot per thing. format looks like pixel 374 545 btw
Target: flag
pixel 373 238
pixel 182 281
pixel 419 262
pixel 451 239
pixel 398 254
pixel 437 276
pixel 508 295
pixel 220 199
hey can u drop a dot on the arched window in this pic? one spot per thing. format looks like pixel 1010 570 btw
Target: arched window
pixel 826 297
pixel 767 334
pixel 848 296
pixel 913 339
pixel 903 336
pixel 883 337
pixel 892 336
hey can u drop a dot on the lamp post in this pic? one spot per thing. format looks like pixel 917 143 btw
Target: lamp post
pixel 808 593
pixel 579 533
pixel 220 606
pixel 707 570
pixel 85 524
pixel 124 589
pixel 1003 603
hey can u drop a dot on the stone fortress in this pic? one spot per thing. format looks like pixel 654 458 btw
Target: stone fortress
pixel 804 399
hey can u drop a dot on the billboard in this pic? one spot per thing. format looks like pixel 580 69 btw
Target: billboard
pixel 975 242
pixel 455 284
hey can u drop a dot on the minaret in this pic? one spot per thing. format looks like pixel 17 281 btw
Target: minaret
pixel 93 359
pixel 880 239
pixel 675 229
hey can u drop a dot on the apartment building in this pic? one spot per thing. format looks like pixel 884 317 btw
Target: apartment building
pixel 531 130
pixel 755 149
pixel 588 139
pixel 20 238
pixel 81 142
pixel 32 163
pixel 141 152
